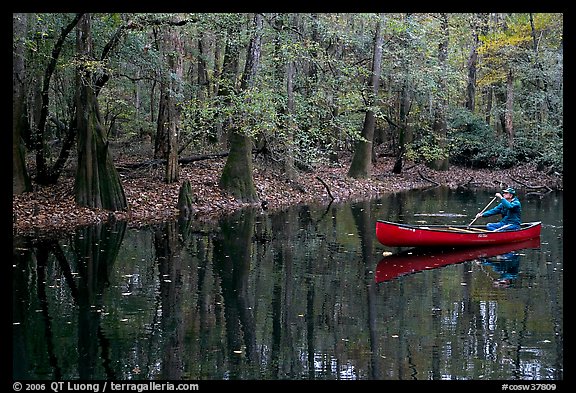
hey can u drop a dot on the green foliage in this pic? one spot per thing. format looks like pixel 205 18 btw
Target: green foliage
pixel 253 112
pixel 198 121
pixel 475 144
pixel 426 149
pixel 553 158
pixel 331 54
pixel 470 139
pixel 550 151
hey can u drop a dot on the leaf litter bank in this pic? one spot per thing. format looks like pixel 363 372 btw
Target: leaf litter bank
pixel 53 209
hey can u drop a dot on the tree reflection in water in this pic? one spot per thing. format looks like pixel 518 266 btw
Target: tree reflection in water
pixel 299 294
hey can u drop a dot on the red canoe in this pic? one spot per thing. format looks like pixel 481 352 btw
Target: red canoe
pixel 418 259
pixel 407 235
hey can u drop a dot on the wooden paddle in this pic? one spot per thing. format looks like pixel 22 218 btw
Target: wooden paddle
pixel 483 210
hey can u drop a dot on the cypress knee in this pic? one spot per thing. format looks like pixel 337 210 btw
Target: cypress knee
pixel 186 200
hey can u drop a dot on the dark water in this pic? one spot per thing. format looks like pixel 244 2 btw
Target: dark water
pixel 292 295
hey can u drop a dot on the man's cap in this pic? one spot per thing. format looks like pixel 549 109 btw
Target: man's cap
pixel 509 190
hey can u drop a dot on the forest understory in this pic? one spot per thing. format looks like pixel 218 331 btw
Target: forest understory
pixel 150 200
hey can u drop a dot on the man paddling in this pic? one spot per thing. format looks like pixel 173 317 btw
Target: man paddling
pixel 510 209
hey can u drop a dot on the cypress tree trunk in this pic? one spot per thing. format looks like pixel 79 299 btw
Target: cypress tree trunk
pixel 472 61
pixel 286 70
pixel 509 114
pixel 289 166
pixel 97 181
pixel 20 179
pixel 236 176
pixel 440 126
pixel 362 161
pixel 168 115
pixel 172 172
pixel 404 131
pixel 41 110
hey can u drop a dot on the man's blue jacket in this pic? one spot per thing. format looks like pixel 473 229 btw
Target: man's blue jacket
pixel 511 211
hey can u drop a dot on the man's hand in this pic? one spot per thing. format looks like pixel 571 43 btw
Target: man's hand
pixel 499 195
pixel 478 215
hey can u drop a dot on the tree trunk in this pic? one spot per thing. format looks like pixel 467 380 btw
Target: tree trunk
pixel 237 174
pixel 472 61
pixel 168 115
pixel 20 180
pixel 541 109
pixel 362 161
pixel 97 182
pixel 203 79
pixel 43 174
pixel 162 124
pixel 286 70
pixel 404 133
pixel 226 75
pixel 509 114
pixel 289 167
pixel 439 126
pixel 488 93
pixel 500 96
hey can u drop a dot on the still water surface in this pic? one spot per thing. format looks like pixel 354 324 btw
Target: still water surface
pixel 301 294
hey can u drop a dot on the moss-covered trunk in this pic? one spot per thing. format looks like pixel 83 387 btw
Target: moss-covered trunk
pixel 236 176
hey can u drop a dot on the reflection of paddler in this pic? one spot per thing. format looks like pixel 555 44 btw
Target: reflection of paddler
pixel 507 265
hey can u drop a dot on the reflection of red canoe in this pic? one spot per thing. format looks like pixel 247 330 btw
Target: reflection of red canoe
pixel 406 235
pixel 418 259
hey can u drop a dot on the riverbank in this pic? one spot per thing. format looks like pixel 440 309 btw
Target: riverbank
pixel 150 200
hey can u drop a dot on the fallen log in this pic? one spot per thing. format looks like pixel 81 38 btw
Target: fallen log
pixel 325 186
pixel 161 161
pixel 427 179
pixel 537 187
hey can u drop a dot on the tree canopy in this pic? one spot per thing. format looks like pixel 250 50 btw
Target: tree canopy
pixel 495 80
